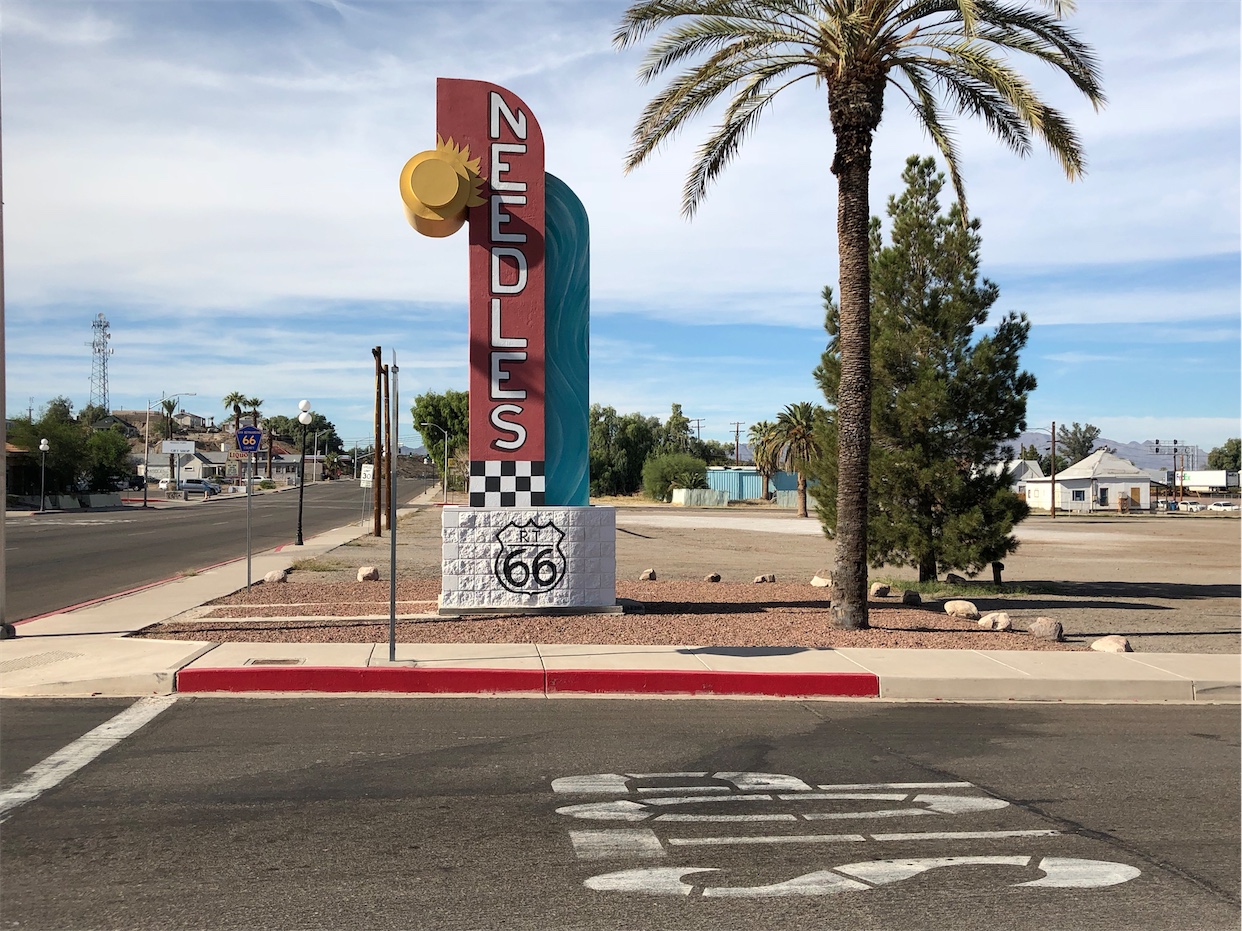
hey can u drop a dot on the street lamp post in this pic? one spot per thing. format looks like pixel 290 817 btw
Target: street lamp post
pixel 304 418
pixel 43 448
pixel 445 432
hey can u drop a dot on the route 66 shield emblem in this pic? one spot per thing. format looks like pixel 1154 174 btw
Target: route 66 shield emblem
pixel 530 560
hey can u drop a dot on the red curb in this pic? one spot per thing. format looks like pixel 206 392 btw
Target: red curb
pixel 712 682
pixel 568 681
pixel 357 679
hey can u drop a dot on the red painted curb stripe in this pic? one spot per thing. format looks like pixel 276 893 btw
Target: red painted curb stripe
pixel 357 679
pixel 565 681
pixel 714 682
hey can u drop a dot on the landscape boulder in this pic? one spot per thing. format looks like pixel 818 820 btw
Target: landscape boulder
pixel 911 597
pixel 960 608
pixel 765 578
pixel 276 575
pixel 649 575
pixel 1045 628
pixel 823 579
pixel 954 579
pixel 368 574
pixel 879 590
pixel 1113 643
pixel 997 620
pixel 712 577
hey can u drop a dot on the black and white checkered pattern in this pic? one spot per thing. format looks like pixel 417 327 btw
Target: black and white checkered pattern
pixel 506 483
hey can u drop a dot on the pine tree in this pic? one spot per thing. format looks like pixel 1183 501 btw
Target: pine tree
pixel 945 397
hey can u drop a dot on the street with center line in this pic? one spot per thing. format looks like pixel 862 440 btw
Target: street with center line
pixel 358 813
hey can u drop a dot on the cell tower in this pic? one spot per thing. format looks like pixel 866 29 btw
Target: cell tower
pixel 100 350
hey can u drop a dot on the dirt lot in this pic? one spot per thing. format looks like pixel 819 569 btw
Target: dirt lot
pixel 1170 583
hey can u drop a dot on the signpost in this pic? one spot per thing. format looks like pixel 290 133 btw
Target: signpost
pixel 249 439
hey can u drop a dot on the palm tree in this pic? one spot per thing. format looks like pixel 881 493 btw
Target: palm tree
pixel 942 56
pixel 763 451
pixel 795 445
pixel 233 401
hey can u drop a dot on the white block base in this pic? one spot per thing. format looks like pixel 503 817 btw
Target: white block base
pixel 537 560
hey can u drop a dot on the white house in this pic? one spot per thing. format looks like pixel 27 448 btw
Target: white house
pixel 1101 482
pixel 1021 471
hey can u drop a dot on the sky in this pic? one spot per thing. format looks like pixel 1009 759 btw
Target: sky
pixel 219 179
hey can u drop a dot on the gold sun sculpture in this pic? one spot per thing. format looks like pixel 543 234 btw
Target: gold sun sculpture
pixel 437 187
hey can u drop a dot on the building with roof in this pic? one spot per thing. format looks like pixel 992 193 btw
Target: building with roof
pixel 1101 482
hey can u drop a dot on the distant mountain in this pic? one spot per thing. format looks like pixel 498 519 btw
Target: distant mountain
pixel 1142 454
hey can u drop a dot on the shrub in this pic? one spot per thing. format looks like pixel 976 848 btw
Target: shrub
pixel 661 474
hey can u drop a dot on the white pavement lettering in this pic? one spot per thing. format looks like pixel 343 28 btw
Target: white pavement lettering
pixel 1059 872
pixel 68 760
pixel 650 803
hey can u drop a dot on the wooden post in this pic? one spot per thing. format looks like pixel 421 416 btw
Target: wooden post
pixel 377 460
pixel 389 452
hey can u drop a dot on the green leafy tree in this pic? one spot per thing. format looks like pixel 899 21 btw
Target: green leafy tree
pixel 1077 442
pixel 92 414
pixel 1045 462
pixel 1228 457
pixel 798 447
pixel 107 459
pixel 618 445
pixel 943 57
pixel 713 452
pixel 762 439
pixel 289 430
pixel 1029 453
pixel 675 434
pixel 662 473
pixel 946 398
pixel 449 411
pixel 66 458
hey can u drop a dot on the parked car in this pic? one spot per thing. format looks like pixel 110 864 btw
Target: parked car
pixel 1191 506
pixel 1223 506
pixel 193 484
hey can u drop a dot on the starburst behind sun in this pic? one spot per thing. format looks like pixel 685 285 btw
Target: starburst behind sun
pixel 438 187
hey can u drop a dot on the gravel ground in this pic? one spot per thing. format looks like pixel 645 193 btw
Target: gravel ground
pixel 1169 583
pixel 677 613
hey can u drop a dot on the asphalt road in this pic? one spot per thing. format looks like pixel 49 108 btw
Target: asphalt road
pixel 57 560
pixel 443 814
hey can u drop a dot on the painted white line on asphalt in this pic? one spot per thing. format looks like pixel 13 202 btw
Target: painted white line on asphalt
pixel 619 842
pixel 897 785
pixel 857 838
pixel 68 760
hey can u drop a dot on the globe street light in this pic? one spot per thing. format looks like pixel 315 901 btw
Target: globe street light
pixel 43 448
pixel 445 432
pixel 304 418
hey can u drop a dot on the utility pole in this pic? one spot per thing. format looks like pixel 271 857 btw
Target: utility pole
pixel 1052 484
pixel 737 442
pixel 377 462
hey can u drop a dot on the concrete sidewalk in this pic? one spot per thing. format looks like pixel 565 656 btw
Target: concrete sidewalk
pixel 85 652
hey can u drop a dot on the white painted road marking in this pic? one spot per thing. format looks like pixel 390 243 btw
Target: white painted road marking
pixel 1059 872
pixel 645 843
pixel 65 762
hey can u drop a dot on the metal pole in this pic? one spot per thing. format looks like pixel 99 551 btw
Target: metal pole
pixel 1052 484
pixel 249 497
pixel 392 520
pixel 301 486
pixel 43 484
pixel 146 455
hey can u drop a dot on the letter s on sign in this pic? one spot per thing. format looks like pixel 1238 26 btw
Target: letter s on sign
pixel 506 426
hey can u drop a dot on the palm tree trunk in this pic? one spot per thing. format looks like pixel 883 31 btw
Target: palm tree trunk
pixel 855 111
pixel 802 494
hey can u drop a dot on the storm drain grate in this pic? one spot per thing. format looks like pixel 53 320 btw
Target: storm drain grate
pixel 275 662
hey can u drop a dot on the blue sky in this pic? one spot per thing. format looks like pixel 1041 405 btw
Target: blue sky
pixel 219 179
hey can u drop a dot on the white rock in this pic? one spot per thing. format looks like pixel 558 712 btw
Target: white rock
pixel 760 578
pixel 879 590
pixel 997 620
pixel 822 580
pixel 276 575
pixel 1045 628
pixel 960 608
pixel 649 575
pixel 712 577
pixel 1113 643
pixel 368 574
